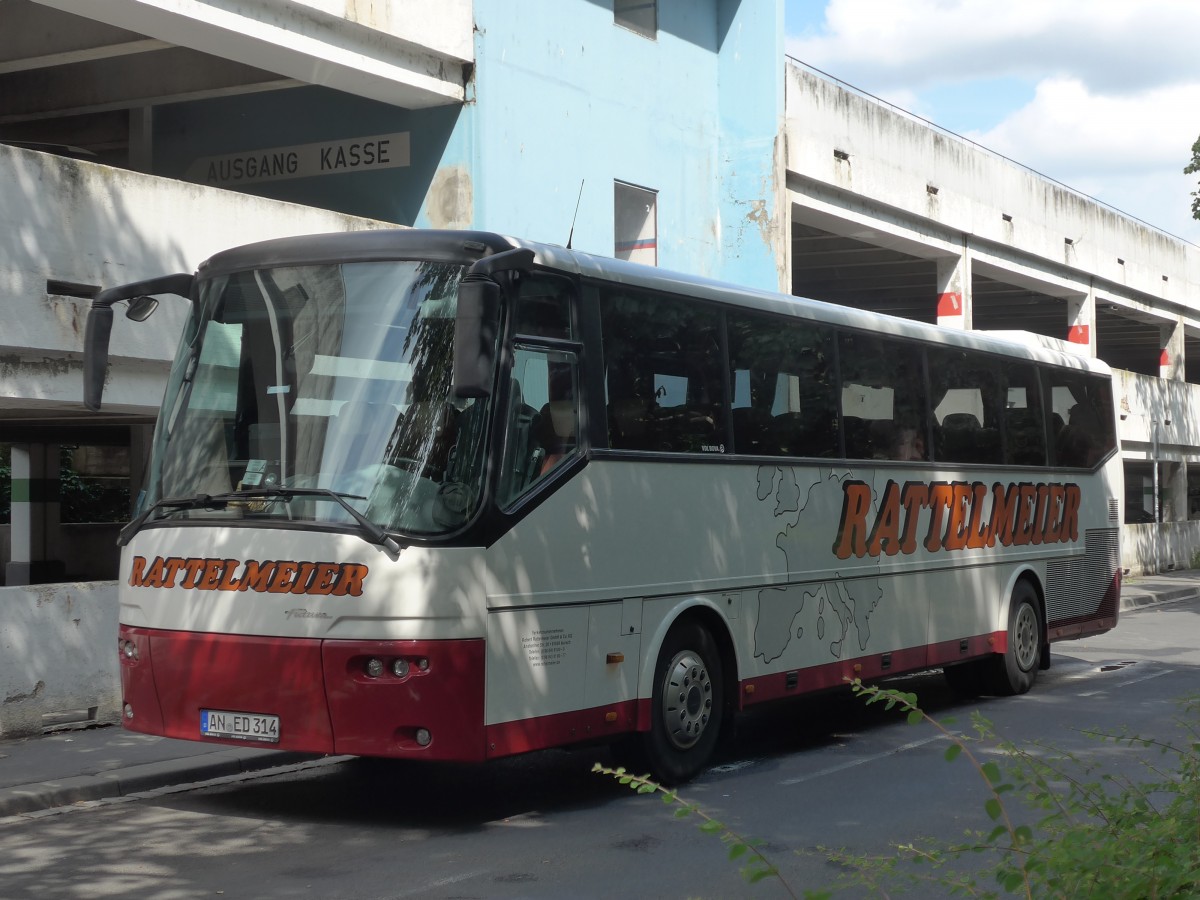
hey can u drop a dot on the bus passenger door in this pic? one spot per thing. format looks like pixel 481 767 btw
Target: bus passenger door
pixel 614 648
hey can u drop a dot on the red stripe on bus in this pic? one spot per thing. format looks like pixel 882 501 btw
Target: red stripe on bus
pixel 797 682
pixel 599 722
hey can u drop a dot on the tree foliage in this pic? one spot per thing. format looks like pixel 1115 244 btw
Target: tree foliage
pixel 1191 169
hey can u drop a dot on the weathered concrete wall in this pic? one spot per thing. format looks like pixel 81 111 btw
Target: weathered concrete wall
pixel 889 159
pixel 58 654
pixel 90 224
pixel 408 52
pixel 1150 549
pixel 1147 404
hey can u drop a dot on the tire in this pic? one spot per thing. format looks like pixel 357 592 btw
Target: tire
pixel 1016 671
pixel 688 706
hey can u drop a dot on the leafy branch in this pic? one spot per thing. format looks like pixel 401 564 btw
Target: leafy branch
pixel 756 866
pixel 1102 835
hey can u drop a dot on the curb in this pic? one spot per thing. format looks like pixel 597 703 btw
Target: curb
pixel 1132 598
pixel 27 798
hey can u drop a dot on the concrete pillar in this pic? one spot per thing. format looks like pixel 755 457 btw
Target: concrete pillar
pixel 1174 481
pixel 1170 359
pixel 954 307
pixel 141 139
pixel 35 516
pixel 1081 320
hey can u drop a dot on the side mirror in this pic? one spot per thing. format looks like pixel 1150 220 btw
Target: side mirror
pixel 141 308
pixel 98 329
pixel 95 354
pixel 478 320
pixel 475 328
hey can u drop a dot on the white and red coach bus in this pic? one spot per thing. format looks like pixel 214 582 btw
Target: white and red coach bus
pixel 456 496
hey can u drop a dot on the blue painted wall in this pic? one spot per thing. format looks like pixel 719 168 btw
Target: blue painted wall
pixel 561 97
pixel 565 97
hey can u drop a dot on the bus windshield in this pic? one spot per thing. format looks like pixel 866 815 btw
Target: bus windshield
pixel 319 379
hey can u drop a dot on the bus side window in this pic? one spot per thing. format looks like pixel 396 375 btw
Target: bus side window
pixel 967 400
pixel 543 419
pixel 785 402
pixel 544 307
pixel 883 398
pixel 1081 402
pixel 662 358
pixel 1024 423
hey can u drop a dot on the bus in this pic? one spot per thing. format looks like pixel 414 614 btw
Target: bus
pixel 456 496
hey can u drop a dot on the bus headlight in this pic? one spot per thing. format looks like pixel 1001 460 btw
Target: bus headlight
pixel 424 737
pixel 400 668
pixel 374 667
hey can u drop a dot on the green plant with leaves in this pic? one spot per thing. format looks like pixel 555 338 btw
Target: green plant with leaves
pixel 1100 834
pixel 1063 827
pixel 753 863
pixel 1191 169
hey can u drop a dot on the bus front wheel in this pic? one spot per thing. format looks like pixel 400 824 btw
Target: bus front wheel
pixel 1016 671
pixel 688 704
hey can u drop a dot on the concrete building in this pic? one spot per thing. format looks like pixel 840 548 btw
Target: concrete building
pixel 673 132
pixel 176 128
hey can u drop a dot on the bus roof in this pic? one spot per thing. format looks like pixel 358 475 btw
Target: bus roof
pixel 466 247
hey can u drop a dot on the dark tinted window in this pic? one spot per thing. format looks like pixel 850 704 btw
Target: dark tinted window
pixel 1024 419
pixel 784 387
pixel 967 397
pixel 663 384
pixel 883 398
pixel 1083 431
pixel 544 307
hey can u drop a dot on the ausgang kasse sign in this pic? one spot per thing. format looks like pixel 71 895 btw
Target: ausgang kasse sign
pixel 379 151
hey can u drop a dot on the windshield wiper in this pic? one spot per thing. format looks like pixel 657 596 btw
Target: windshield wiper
pixel 199 501
pixel 368 529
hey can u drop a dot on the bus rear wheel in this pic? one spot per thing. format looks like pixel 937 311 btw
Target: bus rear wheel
pixel 688 705
pixel 1016 671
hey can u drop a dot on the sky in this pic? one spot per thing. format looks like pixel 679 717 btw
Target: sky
pixel 1101 95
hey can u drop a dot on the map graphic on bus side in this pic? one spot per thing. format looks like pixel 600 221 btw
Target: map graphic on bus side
pixel 802 512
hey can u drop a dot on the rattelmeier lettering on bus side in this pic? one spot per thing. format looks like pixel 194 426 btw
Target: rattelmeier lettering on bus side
pixel 961 515
pixel 277 576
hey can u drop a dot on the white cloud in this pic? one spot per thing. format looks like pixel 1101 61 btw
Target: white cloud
pixel 1114 45
pixel 1067 126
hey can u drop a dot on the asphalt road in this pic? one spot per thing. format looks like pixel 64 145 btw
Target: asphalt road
pixel 826 772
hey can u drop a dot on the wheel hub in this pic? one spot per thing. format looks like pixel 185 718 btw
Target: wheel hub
pixel 1025 638
pixel 687 699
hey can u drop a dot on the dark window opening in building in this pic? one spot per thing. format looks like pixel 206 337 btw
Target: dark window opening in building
pixel 637 15
pixel 1127 343
pixel 94 484
pixel 1191 358
pixel 635 218
pixel 1139 492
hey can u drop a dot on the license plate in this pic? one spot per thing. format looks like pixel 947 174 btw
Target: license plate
pixel 239 726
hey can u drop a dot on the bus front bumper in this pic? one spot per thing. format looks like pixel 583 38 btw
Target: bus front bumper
pixel 409 699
